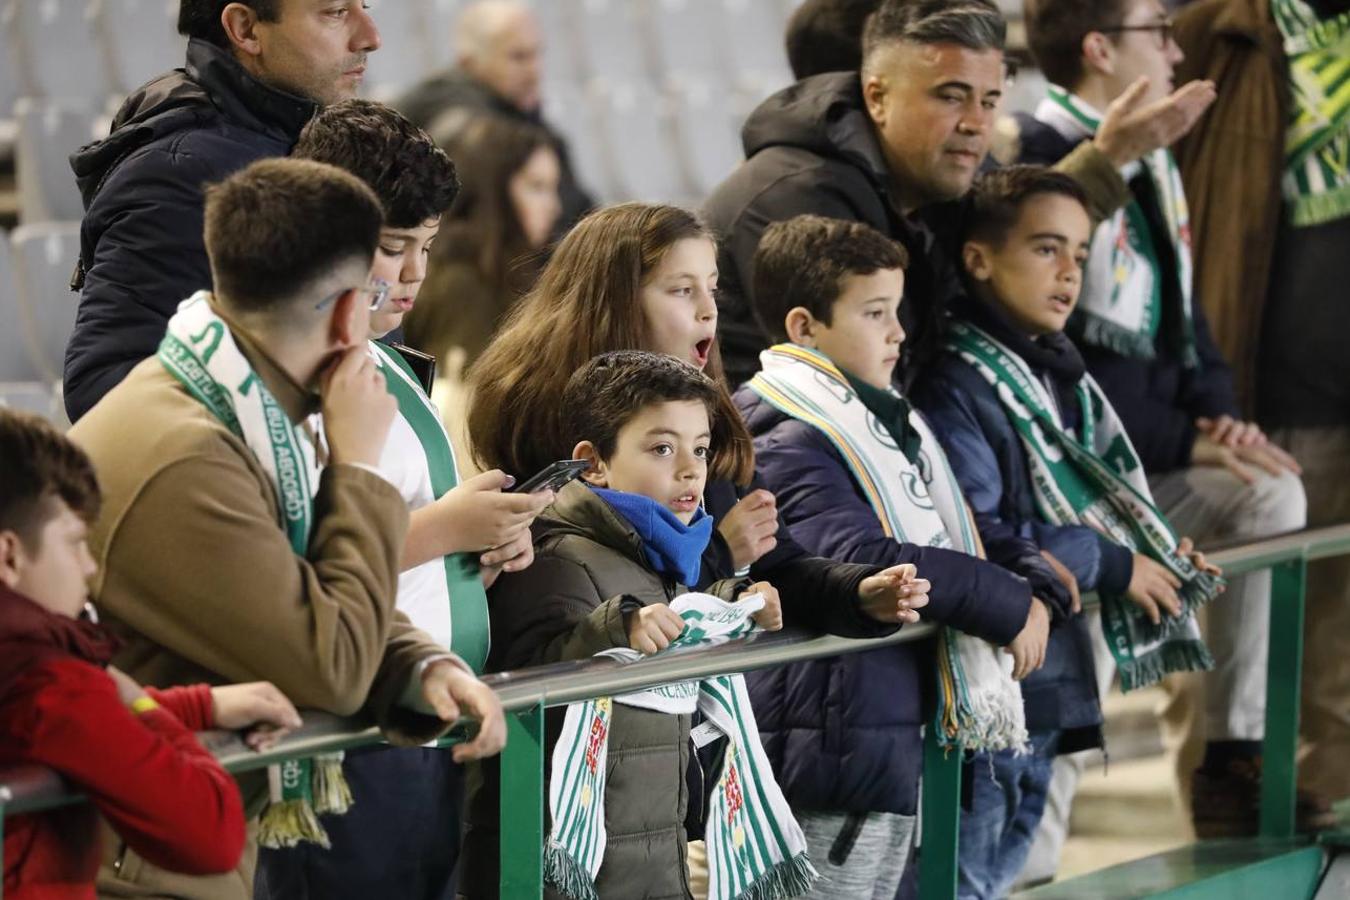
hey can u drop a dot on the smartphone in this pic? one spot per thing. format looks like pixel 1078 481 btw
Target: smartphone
pixel 552 477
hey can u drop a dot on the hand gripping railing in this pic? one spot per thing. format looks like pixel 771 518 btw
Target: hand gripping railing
pixel 526 693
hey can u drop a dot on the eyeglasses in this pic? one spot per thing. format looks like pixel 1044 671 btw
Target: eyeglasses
pixel 1164 29
pixel 378 289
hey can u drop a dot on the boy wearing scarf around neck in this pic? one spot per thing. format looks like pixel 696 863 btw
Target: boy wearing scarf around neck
pixel 159 789
pixel 1148 344
pixel 460 537
pixel 860 478
pixel 248 531
pixel 613 558
pixel 1040 452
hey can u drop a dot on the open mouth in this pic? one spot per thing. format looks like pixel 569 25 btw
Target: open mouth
pixel 701 351
pixel 401 304
pixel 685 503
pixel 1061 302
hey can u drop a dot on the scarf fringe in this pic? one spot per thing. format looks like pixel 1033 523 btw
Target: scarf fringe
pixel 332 794
pixel 286 823
pixel 1317 209
pixel 987 725
pixel 789 878
pixel 567 875
pixel 1187 656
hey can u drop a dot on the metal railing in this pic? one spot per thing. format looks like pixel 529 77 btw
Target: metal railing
pixel 526 693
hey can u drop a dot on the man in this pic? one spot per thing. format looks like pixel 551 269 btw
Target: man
pixel 498 58
pixel 1150 349
pixel 907 132
pixel 1270 201
pixel 246 527
pixel 255 73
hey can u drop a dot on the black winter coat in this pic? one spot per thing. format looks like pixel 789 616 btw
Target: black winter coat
pixel 141 250
pixel 843 733
pixel 1159 399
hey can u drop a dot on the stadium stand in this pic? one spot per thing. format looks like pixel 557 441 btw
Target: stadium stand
pixel 44 255
pixel 48 131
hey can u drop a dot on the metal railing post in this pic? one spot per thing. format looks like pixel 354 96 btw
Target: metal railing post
pixel 941 819
pixel 522 805
pixel 1279 767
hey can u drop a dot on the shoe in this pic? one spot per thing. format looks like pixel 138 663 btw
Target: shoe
pixel 1228 804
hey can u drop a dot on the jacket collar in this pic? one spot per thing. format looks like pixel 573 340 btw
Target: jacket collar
pixel 579 510
pixel 28 630
pixel 240 96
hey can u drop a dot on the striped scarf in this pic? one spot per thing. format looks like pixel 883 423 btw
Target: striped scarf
pixel 920 502
pixel 1097 481
pixel 200 352
pixel 444 597
pixel 1122 303
pixel 1316 182
pixel 756 850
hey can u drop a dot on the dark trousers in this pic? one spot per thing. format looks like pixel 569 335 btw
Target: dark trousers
pixel 400 838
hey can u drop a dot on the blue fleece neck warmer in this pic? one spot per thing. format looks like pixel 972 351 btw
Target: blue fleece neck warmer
pixel 673 548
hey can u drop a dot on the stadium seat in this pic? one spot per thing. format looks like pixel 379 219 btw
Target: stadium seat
pixel 611 36
pixel 639 145
pixel 707 133
pixel 403 57
pixel 48 132
pixel 562 56
pixel 16 363
pixel 685 45
pixel 140 40
pixel 441 16
pixel 567 108
pixel 44 256
pixel 752 36
pixel 54 44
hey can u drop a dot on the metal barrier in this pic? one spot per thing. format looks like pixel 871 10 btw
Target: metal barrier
pixel 526 693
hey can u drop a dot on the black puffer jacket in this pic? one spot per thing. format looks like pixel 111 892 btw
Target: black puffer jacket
pixel 141 249
pixel 589 569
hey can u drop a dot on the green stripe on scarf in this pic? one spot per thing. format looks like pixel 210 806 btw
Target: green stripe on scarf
pixel 469 631
pixel 1097 482
pixel 1316 183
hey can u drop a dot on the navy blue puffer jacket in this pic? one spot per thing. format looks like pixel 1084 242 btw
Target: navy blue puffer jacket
pixel 843 733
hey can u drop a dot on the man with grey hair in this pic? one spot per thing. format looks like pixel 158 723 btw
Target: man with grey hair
pixel 498 67
pixel 897 146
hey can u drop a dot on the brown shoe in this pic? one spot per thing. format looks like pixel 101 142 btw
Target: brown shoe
pixel 1228 805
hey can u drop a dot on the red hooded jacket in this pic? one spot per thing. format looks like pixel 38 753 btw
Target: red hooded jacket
pixel 166 796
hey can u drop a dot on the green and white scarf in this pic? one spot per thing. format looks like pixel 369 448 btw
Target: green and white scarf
pixel 1316 183
pixel 1121 304
pixel 980 706
pixel 200 352
pixel 756 850
pixel 1097 481
pixel 444 597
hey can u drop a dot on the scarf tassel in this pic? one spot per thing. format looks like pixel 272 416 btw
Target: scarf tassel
pixel 567 875
pixel 789 878
pixel 288 821
pixel 1187 656
pixel 332 794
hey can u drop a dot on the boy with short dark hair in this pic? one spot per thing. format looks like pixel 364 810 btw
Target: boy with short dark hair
pixel 613 559
pixel 1041 454
pixel 163 794
pixel 861 478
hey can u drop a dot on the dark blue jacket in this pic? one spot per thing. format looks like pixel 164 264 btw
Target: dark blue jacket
pixel 843 733
pixel 992 468
pixel 141 250
pixel 1158 400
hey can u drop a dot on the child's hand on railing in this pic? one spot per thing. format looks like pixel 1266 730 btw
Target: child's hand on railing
pixel 894 594
pixel 1186 548
pixel 652 628
pixel 258 706
pixel 1153 588
pixel 770 618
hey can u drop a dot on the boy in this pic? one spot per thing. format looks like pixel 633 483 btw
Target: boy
pixel 164 795
pixel 860 478
pixel 1040 453
pixel 611 555
pixel 460 536
pixel 1149 346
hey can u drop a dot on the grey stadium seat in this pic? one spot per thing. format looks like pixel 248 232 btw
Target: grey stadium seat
pixel 639 142
pixel 44 256
pixel 140 40
pixel 611 36
pixel 707 132
pixel 54 43
pixel 684 41
pixel 16 362
pixel 48 132
pixel 403 57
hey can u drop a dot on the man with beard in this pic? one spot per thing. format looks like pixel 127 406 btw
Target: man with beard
pixel 255 73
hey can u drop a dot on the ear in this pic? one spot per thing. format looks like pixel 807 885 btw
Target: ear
pixel 350 322
pixel 597 475
pixel 874 91
pixel 799 324
pixel 11 559
pixel 1098 54
pixel 975 255
pixel 241 27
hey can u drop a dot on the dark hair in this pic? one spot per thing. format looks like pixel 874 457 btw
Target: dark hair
pixel 609 391
pixel 973 24
pixel 201 18
pixel 414 179
pixel 1055 32
pixel 481 234
pixel 826 36
pixel 803 262
pixel 587 302
pixel 998 196
pixel 276 226
pixel 41 465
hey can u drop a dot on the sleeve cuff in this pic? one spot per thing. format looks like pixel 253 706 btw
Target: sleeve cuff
pixel 412 697
pixel 1116 568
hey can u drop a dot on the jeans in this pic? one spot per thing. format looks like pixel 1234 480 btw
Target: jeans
pixel 1007 798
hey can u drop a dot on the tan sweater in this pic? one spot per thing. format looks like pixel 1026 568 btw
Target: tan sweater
pixel 198 578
